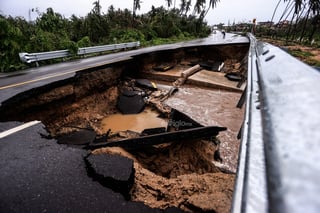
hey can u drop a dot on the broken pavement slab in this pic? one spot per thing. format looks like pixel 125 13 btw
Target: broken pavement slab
pixel 213 80
pixel 167 137
pixel 216 80
pixel 113 171
pixel 39 175
pixel 81 137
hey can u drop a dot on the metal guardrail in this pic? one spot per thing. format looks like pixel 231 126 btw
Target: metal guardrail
pixel 250 191
pixel 279 169
pixel 35 57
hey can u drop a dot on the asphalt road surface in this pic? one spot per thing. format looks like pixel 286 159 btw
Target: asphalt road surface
pixel 14 83
pixel 39 175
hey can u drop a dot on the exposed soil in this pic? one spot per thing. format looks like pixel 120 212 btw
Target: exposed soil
pixel 180 175
pixel 68 104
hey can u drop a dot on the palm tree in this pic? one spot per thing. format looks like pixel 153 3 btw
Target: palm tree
pixel 96 7
pixel 200 7
pixel 314 5
pixel 136 6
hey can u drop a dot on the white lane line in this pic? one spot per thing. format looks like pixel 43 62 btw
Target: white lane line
pixel 18 128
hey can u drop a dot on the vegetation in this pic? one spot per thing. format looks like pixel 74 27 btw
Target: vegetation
pixel 300 21
pixel 305 55
pixel 51 31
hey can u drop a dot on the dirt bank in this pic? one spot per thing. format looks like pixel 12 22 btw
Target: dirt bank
pixel 181 175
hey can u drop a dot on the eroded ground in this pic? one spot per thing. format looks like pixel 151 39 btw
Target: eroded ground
pixel 193 175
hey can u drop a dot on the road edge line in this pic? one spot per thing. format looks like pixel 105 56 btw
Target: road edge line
pixel 18 128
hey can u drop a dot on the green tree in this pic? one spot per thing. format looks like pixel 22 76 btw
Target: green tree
pixel 11 40
pixel 52 22
pixel 51 31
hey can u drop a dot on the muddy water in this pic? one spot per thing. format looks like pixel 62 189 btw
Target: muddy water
pixel 135 122
pixel 214 108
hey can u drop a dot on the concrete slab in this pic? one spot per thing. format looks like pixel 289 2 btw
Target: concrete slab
pixel 202 78
pixel 213 80
pixel 170 75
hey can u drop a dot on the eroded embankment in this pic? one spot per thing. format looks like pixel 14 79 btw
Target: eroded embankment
pixel 185 174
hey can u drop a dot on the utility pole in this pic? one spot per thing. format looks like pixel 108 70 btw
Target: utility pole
pixel 99 7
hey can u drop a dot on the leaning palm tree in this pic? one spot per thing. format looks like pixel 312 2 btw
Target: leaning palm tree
pixel 136 6
pixel 311 6
pixel 314 5
pixel 202 8
pixel 169 3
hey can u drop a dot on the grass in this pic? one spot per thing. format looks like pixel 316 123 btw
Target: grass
pixel 297 50
pixel 304 56
pixel 300 53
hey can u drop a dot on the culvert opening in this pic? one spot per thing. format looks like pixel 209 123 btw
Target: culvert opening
pixel 186 173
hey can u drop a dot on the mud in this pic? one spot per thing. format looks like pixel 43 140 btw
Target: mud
pixel 184 174
pixel 135 122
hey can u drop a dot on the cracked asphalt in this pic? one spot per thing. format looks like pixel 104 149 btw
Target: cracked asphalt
pixel 39 175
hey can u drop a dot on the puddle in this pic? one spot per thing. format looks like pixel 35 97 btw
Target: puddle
pixel 134 122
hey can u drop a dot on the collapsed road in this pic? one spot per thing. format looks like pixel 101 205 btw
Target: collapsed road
pixel 145 133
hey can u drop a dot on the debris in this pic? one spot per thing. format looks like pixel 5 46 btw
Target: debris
pixel 217 156
pixel 81 137
pixel 130 105
pixel 153 131
pixel 145 83
pixel 163 67
pixel 164 87
pixel 128 134
pixel 167 137
pixel 211 66
pixel 113 171
pixel 233 76
pixel 156 103
pixel 242 98
pixel 129 93
pixel 180 121
pixel 187 73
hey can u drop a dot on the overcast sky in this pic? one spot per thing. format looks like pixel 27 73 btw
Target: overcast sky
pixel 226 10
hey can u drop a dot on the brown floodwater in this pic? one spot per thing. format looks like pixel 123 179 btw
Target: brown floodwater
pixel 134 122
pixel 213 108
